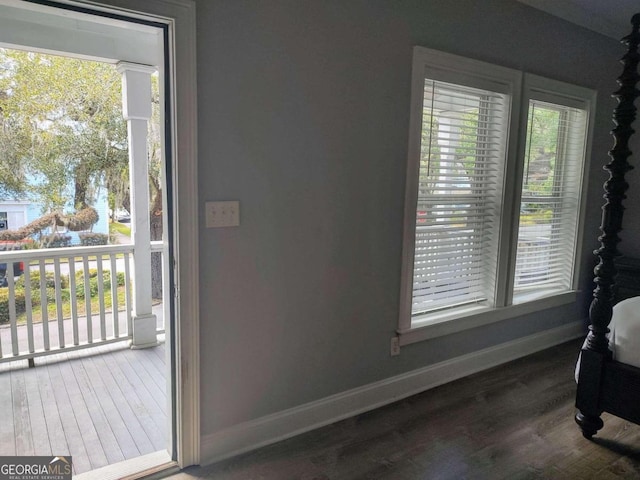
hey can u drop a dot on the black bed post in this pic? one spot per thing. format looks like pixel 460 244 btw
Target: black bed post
pixel 596 351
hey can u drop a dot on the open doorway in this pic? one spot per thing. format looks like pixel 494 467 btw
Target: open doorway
pixel 109 285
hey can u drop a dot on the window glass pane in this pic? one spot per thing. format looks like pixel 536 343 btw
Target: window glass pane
pixel 549 205
pixel 457 215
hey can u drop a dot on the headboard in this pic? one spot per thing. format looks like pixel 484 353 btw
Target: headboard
pixel 628 278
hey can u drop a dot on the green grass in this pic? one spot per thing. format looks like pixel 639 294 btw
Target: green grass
pixel 52 311
pixel 121 228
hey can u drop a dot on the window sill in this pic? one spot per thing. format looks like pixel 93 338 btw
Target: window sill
pixel 473 317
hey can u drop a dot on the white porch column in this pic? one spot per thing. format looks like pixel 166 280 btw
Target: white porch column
pixel 136 106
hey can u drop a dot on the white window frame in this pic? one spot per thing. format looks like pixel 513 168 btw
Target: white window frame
pixel 555 92
pixel 521 87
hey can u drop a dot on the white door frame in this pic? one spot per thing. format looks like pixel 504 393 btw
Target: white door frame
pixel 179 16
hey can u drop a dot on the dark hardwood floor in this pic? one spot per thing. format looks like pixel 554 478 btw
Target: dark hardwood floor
pixel 512 422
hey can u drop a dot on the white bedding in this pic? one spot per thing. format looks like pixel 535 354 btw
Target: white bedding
pixel 624 339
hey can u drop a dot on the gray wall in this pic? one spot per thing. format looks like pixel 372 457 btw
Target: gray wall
pixel 303 117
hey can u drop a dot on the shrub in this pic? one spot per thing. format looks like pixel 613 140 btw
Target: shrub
pixel 50 280
pixel 4 303
pixel 56 240
pixel 93 281
pixel 89 239
pixel 65 295
pixel 93 272
pixel 6 246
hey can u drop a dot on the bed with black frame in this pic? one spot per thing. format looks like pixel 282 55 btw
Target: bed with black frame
pixel 604 384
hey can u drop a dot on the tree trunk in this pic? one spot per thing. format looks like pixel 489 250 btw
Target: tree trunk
pixel 126 201
pixel 155 224
pixel 81 181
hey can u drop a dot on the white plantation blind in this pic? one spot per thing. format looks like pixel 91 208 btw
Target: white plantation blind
pixel 462 157
pixel 495 173
pixel 550 200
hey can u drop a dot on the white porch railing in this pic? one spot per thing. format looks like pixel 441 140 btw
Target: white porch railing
pixel 61 283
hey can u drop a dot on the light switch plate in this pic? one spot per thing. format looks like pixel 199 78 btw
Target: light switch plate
pixel 222 214
pixel 395 346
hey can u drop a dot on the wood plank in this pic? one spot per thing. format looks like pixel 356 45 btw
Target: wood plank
pixel 141 400
pixel 43 301
pixel 21 420
pixel 153 397
pixel 28 305
pixel 7 434
pixel 111 412
pixel 13 321
pixel 127 293
pixel 90 439
pixel 132 410
pixel 70 425
pixel 101 308
pixel 39 433
pixel 59 314
pixel 114 297
pixel 100 421
pixel 57 440
pixel 83 403
pixel 514 421
pixel 157 364
pixel 138 363
pixel 148 359
pixel 74 299
pixel 87 298
pixel 161 352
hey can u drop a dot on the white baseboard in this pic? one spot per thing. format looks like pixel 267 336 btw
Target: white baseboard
pixel 294 421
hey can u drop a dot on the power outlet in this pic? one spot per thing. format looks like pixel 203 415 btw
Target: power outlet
pixel 222 214
pixel 395 346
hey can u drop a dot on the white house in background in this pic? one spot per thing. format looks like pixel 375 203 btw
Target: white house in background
pixel 14 213
pixel 19 213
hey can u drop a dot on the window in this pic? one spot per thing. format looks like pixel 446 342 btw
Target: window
pixel 494 187
pixel 461 160
pixel 550 199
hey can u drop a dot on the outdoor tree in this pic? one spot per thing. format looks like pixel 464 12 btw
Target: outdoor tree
pixel 63 118
pixel 155 187
pixel 63 136
pixel 12 174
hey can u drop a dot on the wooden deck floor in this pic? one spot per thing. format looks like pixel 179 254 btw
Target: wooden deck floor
pixel 101 406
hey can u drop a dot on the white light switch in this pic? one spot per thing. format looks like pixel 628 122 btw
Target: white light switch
pixel 222 214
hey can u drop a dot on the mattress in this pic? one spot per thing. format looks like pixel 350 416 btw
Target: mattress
pixel 624 335
pixel 624 338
